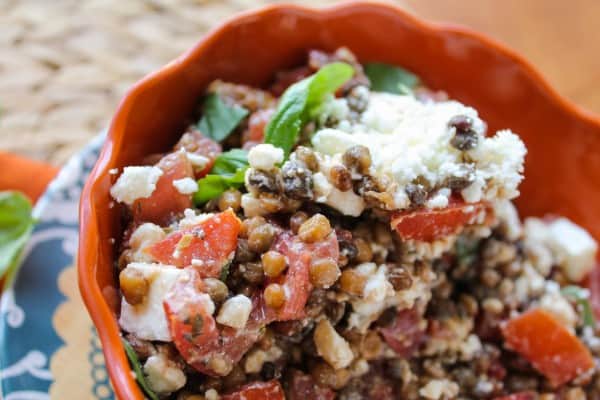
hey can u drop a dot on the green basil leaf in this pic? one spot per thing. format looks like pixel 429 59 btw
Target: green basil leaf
pixel 230 161
pixel 16 224
pixel 137 369
pixel 581 297
pixel 300 99
pixel 390 78
pixel 219 119
pixel 211 186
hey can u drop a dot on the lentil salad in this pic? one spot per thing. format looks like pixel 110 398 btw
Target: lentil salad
pixel 348 233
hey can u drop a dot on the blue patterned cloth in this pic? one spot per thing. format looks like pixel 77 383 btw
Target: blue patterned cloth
pixel 27 337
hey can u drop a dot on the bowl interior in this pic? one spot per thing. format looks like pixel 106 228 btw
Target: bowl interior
pixel 563 163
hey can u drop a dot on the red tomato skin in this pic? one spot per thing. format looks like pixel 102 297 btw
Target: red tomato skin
pixel 165 202
pixel 186 302
pixel 550 347
pixel 430 224
pixel 212 242
pixel 296 280
pixel 405 334
pixel 257 123
pixel 270 390
pixel 287 78
pixel 195 142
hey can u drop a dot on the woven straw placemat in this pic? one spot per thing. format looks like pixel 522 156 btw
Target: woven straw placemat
pixel 65 64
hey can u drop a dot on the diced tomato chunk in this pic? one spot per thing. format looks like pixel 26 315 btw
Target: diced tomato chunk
pixel 208 246
pixel 285 79
pixel 192 327
pixel 255 133
pixel 270 390
pixel 195 333
pixel 304 387
pixel 166 201
pixel 196 143
pixel 518 396
pixel 549 346
pixel 431 224
pixel 296 280
pixel 405 334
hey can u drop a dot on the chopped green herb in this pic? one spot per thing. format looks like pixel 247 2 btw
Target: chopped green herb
pixel 219 119
pixel 225 272
pixel 581 297
pixel 466 250
pixel 137 369
pixel 230 161
pixel 16 224
pixel 390 78
pixel 300 100
pixel 211 186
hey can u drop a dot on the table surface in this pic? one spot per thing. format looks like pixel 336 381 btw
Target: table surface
pixel 64 65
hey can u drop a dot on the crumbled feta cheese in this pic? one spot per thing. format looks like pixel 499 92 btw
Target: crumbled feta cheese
pixel 144 236
pixel 348 203
pixel 574 248
pixel 148 321
pixel 439 388
pixel 164 376
pixel 186 185
pixel 197 160
pixel 470 347
pixel 377 287
pixel 251 206
pixel 559 307
pixel 334 349
pixel 191 219
pixel 265 156
pixel 135 183
pixel 439 200
pixel 509 220
pixel 235 312
pixel 408 139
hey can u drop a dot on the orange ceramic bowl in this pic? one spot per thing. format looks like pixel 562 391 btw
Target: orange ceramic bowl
pixel 563 163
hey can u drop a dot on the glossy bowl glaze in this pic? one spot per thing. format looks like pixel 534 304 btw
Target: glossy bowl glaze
pixel 563 163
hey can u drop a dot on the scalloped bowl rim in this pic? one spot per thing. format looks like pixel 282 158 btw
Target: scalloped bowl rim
pixel 98 308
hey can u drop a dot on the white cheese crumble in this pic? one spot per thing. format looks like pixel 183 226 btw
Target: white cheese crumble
pixel 197 160
pixel 348 202
pixel 574 248
pixel 144 236
pixel 265 156
pixel 186 185
pixel 559 307
pixel 235 312
pixel 508 219
pixel 191 219
pixel 334 349
pixel 408 139
pixel 164 376
pixel 148 320
pixel 440 199
pixel 135 183
pixel 439 388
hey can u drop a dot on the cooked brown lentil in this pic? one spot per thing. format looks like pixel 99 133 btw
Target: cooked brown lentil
pixel 230 199
pixel 274 295
pixel 324 272
pixel 273 263
pixel 341 178
pixel 314 229
pixel 358 158
pixel 134 285
pixel 260 238
pixel 216 289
